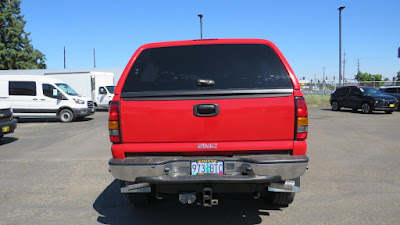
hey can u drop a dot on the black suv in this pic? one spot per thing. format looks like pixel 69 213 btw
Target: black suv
pixel 367 99
pixel 393 91
pixel 7 123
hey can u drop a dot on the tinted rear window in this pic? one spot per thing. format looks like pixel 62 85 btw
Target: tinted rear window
pixel 230 66
pixel 22 88
pixel 391 90
pixel 342 91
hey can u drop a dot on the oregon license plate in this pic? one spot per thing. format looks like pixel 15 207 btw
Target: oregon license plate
pixel 5 129
pixel 391 105
pixel 207 166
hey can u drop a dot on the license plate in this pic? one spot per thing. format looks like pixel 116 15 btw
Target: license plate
pixel 5 129
pixel 391 105
pixel 202 167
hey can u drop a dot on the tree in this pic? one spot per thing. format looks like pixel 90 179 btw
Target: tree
pixel 16 52
pixel 369 79
pixel 396 79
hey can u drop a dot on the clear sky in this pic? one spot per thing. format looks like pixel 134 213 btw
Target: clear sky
pixel 305 31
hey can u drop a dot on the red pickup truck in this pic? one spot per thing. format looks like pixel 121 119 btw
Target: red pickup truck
pixel 201 117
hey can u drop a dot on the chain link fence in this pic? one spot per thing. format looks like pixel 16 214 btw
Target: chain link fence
pixel 318 94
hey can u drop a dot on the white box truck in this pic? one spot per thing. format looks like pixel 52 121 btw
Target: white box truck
pixel 86 83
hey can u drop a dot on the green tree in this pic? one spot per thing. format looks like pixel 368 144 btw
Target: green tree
pixel 396 79
pixel 16 52
pixel 368 79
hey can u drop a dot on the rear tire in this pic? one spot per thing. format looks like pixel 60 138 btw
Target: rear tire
pixel 281 199
pixel 366 108
pixel 139 200
pixel 66 116
pixel 335 106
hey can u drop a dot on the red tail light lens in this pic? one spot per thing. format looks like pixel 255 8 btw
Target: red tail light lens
pixel 114 111
pixel 113 123
pixel 301 128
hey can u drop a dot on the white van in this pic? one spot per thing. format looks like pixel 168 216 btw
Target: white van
pixel 40 96
pixel 86 83
pixel 105 96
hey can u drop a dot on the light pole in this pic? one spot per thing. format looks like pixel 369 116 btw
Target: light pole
pixel 340 44
pixel 201 25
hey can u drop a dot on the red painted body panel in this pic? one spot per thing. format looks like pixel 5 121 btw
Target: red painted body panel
pixel 253 119
pixel 299 147
pixel 119 150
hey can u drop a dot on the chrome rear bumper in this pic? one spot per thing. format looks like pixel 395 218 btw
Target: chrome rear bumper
pixel 175 170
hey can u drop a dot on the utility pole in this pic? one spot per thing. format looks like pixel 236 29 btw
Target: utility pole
pixel 201 25
pixel 340 44
pixel 94 57
pixel 64 58
pixel 358 65
pixel 344 65
pixel 323 84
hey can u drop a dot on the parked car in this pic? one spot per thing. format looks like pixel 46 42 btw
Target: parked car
pixel 105 96
pixel 41 96
pixel 199 117
pixel 393 91
pixel 7 123
pixel 367 99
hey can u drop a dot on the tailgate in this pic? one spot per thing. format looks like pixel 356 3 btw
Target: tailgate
pixel 246 119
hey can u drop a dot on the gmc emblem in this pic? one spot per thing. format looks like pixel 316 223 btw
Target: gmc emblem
pixel 207 146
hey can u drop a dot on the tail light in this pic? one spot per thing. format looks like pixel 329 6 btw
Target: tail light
pixel 113 123
pixel 301 128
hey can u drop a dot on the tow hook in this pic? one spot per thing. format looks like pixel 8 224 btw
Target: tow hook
pixel 208 200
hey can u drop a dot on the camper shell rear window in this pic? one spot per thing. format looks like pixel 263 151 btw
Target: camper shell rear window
pixel 199 68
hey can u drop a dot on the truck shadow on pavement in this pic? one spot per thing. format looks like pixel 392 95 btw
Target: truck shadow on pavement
pixel 114 208
pixel 7 140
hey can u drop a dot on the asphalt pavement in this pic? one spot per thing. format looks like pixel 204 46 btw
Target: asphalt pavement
pixel 56 173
